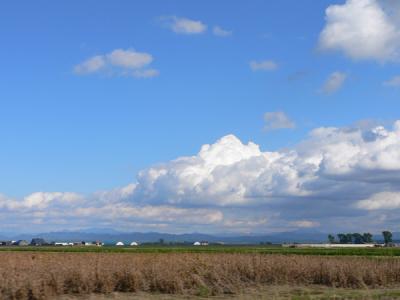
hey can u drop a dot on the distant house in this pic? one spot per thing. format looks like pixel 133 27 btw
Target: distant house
pixel 21 243
pixel 119 244
pixel 6 243
pixel 202 243
pixel 134 244
pixel 38 242
pixel 62 244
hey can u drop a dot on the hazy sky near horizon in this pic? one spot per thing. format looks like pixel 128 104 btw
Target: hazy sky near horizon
pixel 214 116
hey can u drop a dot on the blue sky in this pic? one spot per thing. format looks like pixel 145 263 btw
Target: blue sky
pixel 65 128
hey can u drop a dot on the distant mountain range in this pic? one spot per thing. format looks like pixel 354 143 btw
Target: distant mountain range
pixel 112 236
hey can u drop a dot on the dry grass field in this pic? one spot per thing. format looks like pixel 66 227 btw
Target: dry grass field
pixel 36 275
pixel 260 293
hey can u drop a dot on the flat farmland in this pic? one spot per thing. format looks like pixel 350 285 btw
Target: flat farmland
pixel 245 249
pixel 45 275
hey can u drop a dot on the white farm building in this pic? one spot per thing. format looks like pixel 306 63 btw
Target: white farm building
pixel 134 244
pixel 119 244
pixel 202 243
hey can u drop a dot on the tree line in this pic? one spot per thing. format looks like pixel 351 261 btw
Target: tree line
pixel 358 238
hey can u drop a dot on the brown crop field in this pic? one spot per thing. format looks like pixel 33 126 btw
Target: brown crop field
pixel 36 275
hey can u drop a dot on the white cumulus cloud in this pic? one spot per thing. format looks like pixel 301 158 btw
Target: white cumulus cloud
pixel 332 166
pixel 363 30
pixel 336 178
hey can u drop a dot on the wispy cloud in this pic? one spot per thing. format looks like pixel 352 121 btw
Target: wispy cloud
pixel 381 201
pixel 263 65
pixel 218 31
pixel 277 120
pixel 129 59
pixel 184 25
pixel 121 62
pixel 393 82
pixel 91 65
pixel 148 73
pixel 334 82
pixel 297 76
pixel 305 224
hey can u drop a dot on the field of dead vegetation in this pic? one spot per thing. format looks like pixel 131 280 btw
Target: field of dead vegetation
pixel 42 275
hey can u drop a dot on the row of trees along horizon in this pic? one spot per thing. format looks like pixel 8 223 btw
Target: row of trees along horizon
pixel 358 238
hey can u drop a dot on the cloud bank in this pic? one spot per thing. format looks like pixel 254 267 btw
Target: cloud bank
pixel 336 179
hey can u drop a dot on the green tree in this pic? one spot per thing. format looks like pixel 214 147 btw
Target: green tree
pixel 342 238
pixel 357 238
pixel 367 237
pixel 387 237
pixel 349 238
pixel 331 239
